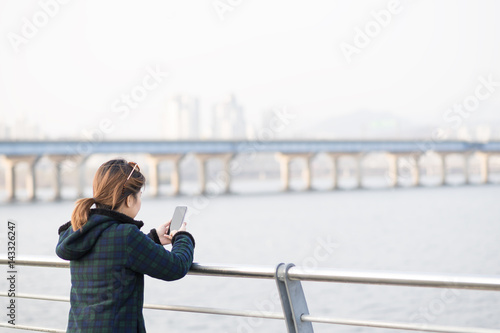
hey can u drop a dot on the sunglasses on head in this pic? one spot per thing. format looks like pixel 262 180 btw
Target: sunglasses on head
pixel 135 165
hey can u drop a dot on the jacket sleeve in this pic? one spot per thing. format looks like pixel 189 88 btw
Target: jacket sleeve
pixel 146 257
pixel 153 235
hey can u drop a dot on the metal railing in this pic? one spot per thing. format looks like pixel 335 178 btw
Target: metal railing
pixel 288 279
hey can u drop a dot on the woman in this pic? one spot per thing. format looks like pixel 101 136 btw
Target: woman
pixel 110 255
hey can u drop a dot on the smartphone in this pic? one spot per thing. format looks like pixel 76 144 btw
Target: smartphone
pixel 178 218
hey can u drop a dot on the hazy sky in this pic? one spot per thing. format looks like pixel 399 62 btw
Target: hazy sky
pixel 77 65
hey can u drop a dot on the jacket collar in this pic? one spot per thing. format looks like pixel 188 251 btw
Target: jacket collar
pixel 117 216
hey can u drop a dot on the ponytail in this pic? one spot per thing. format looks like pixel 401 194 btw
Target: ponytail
pixel 81 213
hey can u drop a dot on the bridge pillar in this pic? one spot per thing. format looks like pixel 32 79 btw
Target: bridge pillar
pixel 360 157
pixel 226 159
pixel 358 171
pixel 285 160
pixel 416 171
pixel 444 168
pixel 203 173
pixel 393 173
pixel 82 181
pixel 57 185
pixel 467 157
pixel 484 167
pixel 307 172
pixel 154 177
pixel 10 163
pixel 31 178
pixel 10 179
pixel 410 162
pixel 335 174
pixel 175 176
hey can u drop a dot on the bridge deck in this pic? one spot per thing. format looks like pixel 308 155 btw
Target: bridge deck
pixel 19 148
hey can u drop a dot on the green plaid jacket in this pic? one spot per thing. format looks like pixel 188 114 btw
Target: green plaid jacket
pixel 109 257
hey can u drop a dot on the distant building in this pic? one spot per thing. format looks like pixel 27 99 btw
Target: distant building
pixel 483 133
pixel 182 118
pixel 4 130
pixel 228 121
pixel 20 129
pixel 463 134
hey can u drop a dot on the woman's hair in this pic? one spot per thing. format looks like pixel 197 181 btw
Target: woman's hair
pixel 113 182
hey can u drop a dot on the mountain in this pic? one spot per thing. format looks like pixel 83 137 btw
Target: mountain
pixel 365 124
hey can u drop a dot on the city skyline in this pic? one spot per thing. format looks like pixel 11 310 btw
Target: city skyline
pixel 327 60
pixel 363 125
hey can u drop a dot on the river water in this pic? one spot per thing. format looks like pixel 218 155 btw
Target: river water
pixel 450 230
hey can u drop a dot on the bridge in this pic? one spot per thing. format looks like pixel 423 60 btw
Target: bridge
pixel 408 151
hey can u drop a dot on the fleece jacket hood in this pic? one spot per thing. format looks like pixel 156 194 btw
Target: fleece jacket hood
pixel 73 245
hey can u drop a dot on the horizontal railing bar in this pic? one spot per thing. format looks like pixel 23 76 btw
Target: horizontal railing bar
pixel 181 308
pixel 395 325
pixel 233 271
pixel 323 275
pixel 36 262
pixel 196 269
pixel 226 312
pixel 40 297
pixel 276 315
pixel 397 279
pixel 32 328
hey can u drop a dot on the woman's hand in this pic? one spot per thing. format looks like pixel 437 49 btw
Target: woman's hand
pixel 162 232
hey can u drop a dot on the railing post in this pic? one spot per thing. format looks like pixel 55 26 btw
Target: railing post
pixel 293 301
